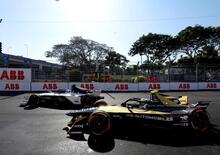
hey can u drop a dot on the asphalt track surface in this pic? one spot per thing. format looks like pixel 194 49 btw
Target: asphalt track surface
pixel 39 131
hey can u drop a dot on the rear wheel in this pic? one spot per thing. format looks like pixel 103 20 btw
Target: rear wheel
pixel 33 101
pixel 100 103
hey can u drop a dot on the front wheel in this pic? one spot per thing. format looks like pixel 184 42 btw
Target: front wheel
pixel 199 120
pixel 99 123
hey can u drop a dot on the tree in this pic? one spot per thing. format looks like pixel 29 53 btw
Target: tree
pixel 82 53
pixel 115 60
pixel 157 47
pixel 208 55
pixel 193 39
pixel 61 52
pixel 131 70
pixel 214 38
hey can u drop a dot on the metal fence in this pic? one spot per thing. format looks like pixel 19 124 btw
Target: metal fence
pixel 190 73
pixel 193 73
pixel 49 75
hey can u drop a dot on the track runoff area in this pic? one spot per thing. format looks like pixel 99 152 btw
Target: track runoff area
pixel 39 131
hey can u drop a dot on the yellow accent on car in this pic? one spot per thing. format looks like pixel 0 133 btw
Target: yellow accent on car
pixel 116 109
pixel 154 91
pixel 183 100
pixel 167 99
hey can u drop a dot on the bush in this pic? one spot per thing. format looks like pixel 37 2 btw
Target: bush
pixel 138 79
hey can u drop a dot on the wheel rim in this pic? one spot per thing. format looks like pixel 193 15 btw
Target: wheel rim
pixel 99 124
pixel 200 120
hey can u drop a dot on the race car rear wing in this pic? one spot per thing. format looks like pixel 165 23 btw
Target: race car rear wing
pixel 164 100
pixel 202 104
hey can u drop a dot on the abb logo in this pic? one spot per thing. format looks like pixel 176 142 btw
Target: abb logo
pixel 87 86
pixel 12 86
pixel 12 75
pixel 211 85
pixel 154 86
pixel 121 87
pixel 49 86
pixel 184 86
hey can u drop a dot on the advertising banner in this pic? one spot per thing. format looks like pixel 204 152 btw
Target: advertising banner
pixel 15 86
pixel 87 85
pixel 123 87
pixel 209 85
pixel 120 86
pixel 48 86
pixel 15 74
pixel 154 85
pixel 181 86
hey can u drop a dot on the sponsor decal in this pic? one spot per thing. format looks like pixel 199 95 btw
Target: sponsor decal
pixel 154 86
pixel 121 87
pixel 12 75
pixel 117 116
pixel 87 85
pixel 184 118
pixel 157 118
pixel 49 86
pixel 181 124
pixel 12 86
pixel 211 85
pixel 79 125
pixel 184 86
pixel 84 110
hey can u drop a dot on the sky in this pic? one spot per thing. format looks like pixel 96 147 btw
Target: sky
pixel 31 27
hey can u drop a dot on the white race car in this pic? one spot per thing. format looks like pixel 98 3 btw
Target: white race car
pixel 65 99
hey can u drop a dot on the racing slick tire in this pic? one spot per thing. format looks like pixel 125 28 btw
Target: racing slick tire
pixel 100 103
pixel 199 120
pixel 99 123
pixel 33 101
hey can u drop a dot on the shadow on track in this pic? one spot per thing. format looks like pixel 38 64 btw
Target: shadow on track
pixel 157 137
pixel 174 138
pixel 52 105
pixel 97 143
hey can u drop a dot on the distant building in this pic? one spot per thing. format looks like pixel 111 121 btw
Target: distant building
pixel 41 70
